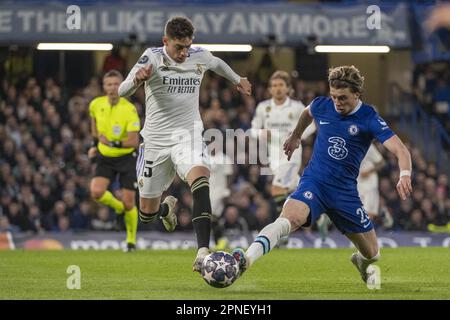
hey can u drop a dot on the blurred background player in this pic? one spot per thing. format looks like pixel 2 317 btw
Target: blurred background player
pixel 368 189
pixel 219 182
pixel 172 132
pixel 114 126
pixel 274 120
pixel 346 127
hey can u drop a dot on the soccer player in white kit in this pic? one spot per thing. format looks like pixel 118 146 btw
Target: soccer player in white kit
pixel 219 181
pixel 275 119
pixel 172 131
pixel 368 181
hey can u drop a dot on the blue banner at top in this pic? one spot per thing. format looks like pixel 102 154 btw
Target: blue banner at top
pixel 291 24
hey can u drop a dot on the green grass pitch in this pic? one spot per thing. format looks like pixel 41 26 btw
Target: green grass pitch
pixel 406 273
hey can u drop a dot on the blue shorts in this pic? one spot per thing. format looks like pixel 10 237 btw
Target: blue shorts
pixel 342 205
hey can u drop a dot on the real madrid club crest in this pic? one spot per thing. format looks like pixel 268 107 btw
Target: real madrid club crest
pixel 290 116
pixel 268 108
pixel 165 61
pixel 353 130
pixel 141 182
pixel 199 70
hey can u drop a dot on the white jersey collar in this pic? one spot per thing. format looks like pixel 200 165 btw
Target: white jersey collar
pixel 358 106
pixel 167 55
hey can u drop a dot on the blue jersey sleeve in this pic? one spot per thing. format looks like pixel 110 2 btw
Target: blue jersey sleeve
pixel 379 128
pixel 314 106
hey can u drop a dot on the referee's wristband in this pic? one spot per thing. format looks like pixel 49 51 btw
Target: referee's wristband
pixel 94 142
pixel 405 173
pixel 116 144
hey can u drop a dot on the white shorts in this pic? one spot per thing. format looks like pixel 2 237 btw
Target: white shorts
pixel 371 200
pixel 286 175
pixel 156 167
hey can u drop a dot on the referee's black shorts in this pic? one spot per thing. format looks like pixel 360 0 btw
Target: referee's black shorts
pixel 124 166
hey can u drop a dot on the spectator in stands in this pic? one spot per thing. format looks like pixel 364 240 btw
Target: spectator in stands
pixel 184 220
pixel 5 226
pixel 45 135
pixel 232 222
pixel 114 61
pixel 102 219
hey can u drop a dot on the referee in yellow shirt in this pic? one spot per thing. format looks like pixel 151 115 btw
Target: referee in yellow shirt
pixel 115 129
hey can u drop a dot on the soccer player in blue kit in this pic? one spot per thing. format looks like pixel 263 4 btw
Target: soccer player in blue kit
pixel 346 127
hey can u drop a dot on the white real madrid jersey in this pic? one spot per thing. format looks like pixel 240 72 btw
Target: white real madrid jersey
pixel 372 158
pixel 281 121
pixel 172 93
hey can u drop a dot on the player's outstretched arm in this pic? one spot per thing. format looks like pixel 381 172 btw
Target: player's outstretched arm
pixel 396 146
pixel 294 140
pixel 135 78
pixel 223 69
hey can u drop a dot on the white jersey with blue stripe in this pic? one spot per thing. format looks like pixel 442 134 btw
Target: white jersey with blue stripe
pixel 172 93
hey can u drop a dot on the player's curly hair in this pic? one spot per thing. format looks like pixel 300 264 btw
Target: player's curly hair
pixel 346 77
pixel 179 28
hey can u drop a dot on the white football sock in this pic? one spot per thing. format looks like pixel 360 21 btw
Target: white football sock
pixel 267 239
pixel 366 262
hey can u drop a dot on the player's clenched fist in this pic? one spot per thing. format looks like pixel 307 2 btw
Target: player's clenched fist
pixel 244 86
pixel 143 74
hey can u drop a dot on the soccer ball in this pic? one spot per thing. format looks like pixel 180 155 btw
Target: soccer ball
pixel 220 269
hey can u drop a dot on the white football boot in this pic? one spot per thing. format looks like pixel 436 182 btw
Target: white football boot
pixel 198 262
pixel 365 270
pixel 170 220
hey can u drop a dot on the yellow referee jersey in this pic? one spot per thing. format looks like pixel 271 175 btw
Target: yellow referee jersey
pixel 114 123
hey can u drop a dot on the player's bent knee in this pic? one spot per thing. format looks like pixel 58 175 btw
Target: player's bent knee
pixel 296 212
pixel 128 204
pixel 97 193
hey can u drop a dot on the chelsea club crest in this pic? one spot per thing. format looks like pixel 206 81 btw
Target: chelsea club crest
pixel 308 195
pixel 353 130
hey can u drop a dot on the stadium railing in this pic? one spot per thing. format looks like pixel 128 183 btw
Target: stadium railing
pixel 427 133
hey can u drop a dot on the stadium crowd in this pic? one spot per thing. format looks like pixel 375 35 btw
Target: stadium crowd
pixel 431 87
pixel 45 171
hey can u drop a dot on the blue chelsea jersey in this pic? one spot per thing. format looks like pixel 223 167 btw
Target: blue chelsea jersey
pixel 342 141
